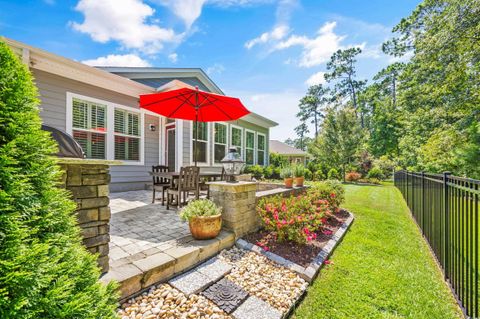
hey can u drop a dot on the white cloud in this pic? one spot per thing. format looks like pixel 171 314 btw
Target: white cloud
pixel 316 50
pixel 118 60
pixel 281 28
pixel 217 68
pixel 186 10
pixel 279 106
pixel 277 33
pixel 190 10
pixel 125 21
pixel 317 78
pixel 173 57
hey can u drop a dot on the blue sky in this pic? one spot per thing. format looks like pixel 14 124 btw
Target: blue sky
pixel 266 52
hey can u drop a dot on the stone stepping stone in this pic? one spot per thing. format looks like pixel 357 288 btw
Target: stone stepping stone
pixel 226 295
pixel 256 308
pixel 214 268
pixel 190 282
pixel 200 277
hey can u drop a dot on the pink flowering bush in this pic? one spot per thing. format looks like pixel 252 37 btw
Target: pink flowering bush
pixel 299 218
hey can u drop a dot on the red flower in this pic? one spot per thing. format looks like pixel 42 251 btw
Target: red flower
pixel 327 232
pixel 328 262
pixel 332 195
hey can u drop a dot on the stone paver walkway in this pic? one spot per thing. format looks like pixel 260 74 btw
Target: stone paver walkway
pixel 236 284
pixel 139 228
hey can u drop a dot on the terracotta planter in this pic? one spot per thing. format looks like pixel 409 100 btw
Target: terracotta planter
pixel 299 181
pixel 288 182
pixel 206 227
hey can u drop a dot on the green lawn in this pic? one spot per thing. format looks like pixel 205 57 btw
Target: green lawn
pixel 382 268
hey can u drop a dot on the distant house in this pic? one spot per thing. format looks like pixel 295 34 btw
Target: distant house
pixel 99 108
pixel 292 154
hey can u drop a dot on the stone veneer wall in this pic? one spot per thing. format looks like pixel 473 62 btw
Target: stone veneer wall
pixel 88 184
pixel 239 201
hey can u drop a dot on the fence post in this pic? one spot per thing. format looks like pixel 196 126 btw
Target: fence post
pixel 423 203
pixel 446 226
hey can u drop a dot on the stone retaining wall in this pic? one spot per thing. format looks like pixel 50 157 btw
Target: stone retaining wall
pixel 239 201
pixel 88 184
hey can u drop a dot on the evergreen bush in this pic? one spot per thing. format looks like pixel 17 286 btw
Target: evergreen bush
pixel 45 272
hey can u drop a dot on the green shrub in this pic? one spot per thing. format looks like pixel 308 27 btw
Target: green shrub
pixel 299 170
pixel 268 172
pixel 319 176
pixel 308 174
pixel 277 160
pixel 255 170
pixel 199 208
pixel 45 272
pixel 286 172
pixel 325 190
pixel 334 174
pixel 375 172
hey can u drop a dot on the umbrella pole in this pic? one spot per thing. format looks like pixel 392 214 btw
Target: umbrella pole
pixel 196 127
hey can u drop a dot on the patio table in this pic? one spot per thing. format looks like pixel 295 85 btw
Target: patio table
pixel 174 175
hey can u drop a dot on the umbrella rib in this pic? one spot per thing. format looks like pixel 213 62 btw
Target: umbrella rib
pixel 178 107
pixel 167 99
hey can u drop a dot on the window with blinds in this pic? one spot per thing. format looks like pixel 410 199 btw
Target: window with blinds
pixel 89 125
pixel 127 135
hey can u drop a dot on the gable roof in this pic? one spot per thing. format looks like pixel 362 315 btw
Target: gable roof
pixel 157 77
pixel 284 149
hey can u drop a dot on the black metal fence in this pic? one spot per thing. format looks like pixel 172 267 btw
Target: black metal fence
pixel 446 209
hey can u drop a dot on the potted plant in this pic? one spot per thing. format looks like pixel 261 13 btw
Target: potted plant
pixel 286 174
pixel 204 218
pixel 299 173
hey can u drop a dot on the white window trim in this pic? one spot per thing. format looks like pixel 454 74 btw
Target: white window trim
pixel 213 142
pixel 254 146
pixel 264 150
pixel 110 133
pixel 242 148
pixel 209 139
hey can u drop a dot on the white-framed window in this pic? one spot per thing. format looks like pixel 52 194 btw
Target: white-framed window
pixel 201 146
pixel 249 147
pixel 236 138
pixel 127 135
pixel 106 130
pixel 261 148
pixel 220 142
pixel 89 127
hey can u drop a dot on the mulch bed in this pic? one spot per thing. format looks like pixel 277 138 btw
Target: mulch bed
pixel 300 254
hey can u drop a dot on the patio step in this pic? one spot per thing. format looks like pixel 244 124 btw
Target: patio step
pixel 137 275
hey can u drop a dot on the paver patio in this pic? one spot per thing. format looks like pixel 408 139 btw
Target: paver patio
pixel 149 243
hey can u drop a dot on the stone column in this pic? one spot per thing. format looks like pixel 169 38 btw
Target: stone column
pixel 88 182
pixel 238 203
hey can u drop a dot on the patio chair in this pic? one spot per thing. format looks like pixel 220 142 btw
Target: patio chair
pixel 187 182
pixel 160 183
pixel 205 187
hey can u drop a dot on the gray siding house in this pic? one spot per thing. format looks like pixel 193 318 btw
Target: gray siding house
pixel 99 108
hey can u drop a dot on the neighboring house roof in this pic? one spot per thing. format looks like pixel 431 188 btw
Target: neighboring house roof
pixel 285 149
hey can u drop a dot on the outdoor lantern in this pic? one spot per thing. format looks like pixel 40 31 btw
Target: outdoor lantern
pixel 233 164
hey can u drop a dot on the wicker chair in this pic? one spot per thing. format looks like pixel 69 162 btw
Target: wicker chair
pixel 160 183
pixel 187 182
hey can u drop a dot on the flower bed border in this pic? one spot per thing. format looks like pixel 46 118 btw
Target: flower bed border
pixel 310 272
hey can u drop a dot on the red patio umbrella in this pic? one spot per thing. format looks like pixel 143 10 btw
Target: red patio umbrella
pixel 195 105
